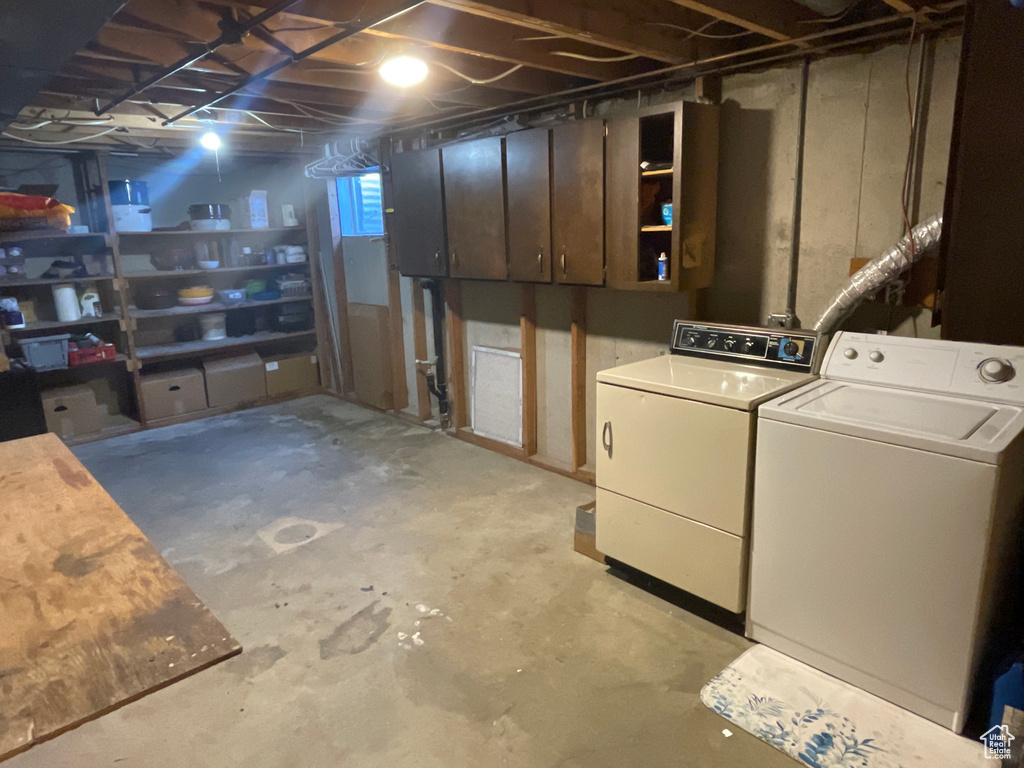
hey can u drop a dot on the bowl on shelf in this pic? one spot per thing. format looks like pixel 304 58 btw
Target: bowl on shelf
pixel 156 298
pixel 231 297
pixel 196 295
pixel 210 217
pixel 174 259
pixel 208 264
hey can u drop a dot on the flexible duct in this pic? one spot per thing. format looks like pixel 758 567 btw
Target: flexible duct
pixel 879 271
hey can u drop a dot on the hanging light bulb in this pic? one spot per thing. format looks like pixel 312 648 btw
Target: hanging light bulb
pixel 210 141
pixel 404 71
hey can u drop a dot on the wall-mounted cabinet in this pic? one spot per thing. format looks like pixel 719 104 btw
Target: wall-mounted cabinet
pixel 474 205
pixel 528 186
pixel 577 202
pixel 661 191
pixel 417 227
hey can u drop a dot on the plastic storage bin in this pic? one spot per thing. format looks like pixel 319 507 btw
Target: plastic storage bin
pixel 46 353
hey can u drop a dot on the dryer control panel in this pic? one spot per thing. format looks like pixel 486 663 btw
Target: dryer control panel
pixel 791 350
pixel 982 371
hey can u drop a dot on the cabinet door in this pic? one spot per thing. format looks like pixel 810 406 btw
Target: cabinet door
pixel 622 193
pixel 418 230
pixel 528 155
pixel 474 194
pixel 577 203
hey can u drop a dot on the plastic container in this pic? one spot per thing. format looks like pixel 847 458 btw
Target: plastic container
pixel 91 354
pixel 292 285
pixel 46 353
pixel 214 326
pixel 231 297
pixel 663 267
pixel 666 213
pixel 129 201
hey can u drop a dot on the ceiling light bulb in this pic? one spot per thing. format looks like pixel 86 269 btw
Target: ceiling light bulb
pixel 210 141
pixel 404 71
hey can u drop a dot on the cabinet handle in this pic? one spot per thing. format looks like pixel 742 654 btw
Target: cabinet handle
pixel 455 258
pixel 540 261
pixel 606 438
pixel 437 257
pixel 563 263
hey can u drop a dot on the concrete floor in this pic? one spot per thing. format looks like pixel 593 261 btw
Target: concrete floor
pixel 404 599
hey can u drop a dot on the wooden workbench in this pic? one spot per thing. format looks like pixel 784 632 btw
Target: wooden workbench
pixel 91 617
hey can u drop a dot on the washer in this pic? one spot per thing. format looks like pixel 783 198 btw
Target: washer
pixel 887 496
pixel 675 461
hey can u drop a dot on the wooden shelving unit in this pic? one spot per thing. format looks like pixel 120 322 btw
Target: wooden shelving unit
pixel 143 336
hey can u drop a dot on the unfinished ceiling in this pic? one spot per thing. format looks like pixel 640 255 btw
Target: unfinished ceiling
pixel 315 61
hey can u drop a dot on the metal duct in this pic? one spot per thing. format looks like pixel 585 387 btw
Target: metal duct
pixel 879 271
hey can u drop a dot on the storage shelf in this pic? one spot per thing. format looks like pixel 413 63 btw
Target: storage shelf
pixel 212 232
pixel 218 271
pixel 193 348
pixel 46 234
pixel 663 172
pixel 213 306
pixel 54 280
pixel 43 325
pixel 657 228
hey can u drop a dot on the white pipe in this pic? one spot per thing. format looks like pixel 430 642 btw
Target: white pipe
pixel 879 271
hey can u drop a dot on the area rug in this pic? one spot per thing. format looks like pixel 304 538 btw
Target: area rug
pixel 826 723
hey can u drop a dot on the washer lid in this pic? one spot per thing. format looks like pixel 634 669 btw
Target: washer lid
pixel 732 385
pixel 950 425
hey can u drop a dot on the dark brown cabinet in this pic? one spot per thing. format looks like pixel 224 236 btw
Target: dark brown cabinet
pixel 577 202
pixel 417 227
pixel 528 185
pixel 662 157
pixel 474 200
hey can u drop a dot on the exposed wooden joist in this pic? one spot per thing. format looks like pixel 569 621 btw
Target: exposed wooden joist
pixel 779 20
pixel 655 31
pixel 906 6
pixel 465 33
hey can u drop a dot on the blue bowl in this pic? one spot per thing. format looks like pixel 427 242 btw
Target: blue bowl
pixel 666 214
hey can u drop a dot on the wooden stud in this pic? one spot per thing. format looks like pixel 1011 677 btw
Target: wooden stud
pixel 528 352
pixel 419 333
pixel 330 374
pixel 456 355
pixel 340 295
pixel 778 20
pixel 579 376
pixel 400 389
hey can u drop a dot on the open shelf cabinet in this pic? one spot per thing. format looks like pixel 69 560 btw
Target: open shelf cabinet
pixel 154 339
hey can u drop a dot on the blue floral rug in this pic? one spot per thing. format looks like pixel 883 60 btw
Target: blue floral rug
pixel 826 723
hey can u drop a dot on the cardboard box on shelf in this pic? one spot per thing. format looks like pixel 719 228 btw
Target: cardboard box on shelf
pixel 234 380
pixel 173 393
pixel 71 411
pixel 291 373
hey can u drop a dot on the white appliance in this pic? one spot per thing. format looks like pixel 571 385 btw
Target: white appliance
pixel 675 463
pixel 886 495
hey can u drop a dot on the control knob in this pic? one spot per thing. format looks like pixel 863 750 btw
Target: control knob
pixel 748 345
pixel 995 370
pixel 712 342
pixel 791 348
pixel 729 344
pixel 876 356
pixel 850 353
pixel 689 341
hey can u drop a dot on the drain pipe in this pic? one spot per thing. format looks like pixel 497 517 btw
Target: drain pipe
pixel 879 271
pixel 437 380
pixel 788 319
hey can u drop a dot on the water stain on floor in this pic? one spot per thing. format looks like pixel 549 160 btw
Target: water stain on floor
pixel 357 633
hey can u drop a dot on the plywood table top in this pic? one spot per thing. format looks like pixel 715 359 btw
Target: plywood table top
pixel 91 616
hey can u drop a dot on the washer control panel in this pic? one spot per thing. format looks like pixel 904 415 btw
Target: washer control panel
pixel 794 350
pixel 984 371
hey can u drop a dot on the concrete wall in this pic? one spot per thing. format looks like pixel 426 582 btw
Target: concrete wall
pixel 856 142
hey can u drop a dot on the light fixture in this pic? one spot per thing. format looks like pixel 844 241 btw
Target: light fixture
pixel 404 71
pixel 210 141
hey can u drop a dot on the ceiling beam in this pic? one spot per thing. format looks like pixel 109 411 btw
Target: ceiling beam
pixel 779 19
pixel 660 32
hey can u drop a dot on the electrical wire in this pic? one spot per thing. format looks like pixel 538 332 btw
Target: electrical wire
pixel 599 59
pixel 479 81
pixel 54 143
pixel 831 19
pixel 77 121
pixel 699 32
pixel 910 142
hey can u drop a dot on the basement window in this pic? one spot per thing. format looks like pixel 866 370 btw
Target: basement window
pixel 360 205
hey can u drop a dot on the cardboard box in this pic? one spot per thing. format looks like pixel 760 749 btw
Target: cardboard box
pixel 234 380
pixel 291 373
pixel 371 355
pixel 586 532
pixel 71 411
pixel 173 393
